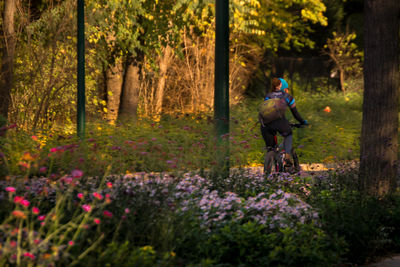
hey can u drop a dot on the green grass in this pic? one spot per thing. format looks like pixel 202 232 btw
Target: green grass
pixel 187 142
pixel 332 136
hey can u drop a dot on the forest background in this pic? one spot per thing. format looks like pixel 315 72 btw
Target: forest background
pixel 147 58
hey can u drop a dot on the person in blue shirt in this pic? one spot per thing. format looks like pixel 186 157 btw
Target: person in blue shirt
pixel 273 120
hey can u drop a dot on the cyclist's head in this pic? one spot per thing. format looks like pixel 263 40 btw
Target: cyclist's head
pixel 284 84
pixel 276 84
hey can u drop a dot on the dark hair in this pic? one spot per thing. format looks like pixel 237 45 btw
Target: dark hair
pixel 275 83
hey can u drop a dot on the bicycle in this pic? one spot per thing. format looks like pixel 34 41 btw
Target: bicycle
pixel 275 158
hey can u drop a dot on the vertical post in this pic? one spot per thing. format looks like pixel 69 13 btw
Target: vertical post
pixel 81 70
pixel 221 93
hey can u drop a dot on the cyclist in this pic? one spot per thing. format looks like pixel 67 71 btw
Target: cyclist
pixel 272 117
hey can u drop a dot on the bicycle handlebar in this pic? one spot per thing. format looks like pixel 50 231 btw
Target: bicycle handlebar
pixel 297 125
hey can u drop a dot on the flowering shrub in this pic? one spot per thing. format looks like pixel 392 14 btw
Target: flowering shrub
pixel 279 209
pixel 52 220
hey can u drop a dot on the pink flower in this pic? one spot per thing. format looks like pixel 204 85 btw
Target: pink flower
pixel 96 220
pixel 71 243
pixel 54 149
pixel 29 255
pixel 77 173
pixel 25 203
pixel 67 180
pixel 127 210
pixel 107 214
pixel 80 195
pixel 42 169
pixel 86 208
pixel 10 189
pixel 18 199
pixel 98 196
pixel 109 185
pixel 41 217
pixel 35 210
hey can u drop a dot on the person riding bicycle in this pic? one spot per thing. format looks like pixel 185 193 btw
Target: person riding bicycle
pixel 272 117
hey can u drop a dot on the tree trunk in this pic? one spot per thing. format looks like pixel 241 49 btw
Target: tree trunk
pixel 130 92
pixel 379 145
pixel 341 80
pixel 164 63
pixel 114 76
pixel 7 64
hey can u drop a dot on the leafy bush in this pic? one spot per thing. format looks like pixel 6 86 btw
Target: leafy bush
pixel 251 244
pixel 369 225
pixel 126 254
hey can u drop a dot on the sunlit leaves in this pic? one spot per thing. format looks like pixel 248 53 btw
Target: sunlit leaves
pixel 344 53
pixel 125 27
pixel 282 23
pixel 114 26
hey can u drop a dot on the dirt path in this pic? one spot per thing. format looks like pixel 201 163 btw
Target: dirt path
pixel 393 261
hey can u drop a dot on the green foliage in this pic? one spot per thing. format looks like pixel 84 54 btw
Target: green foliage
pixel 250 244
pixel 368 225
pixel 345 54
pixel 278 24
pixel 44 93
pixel 3 121
pixel 126 254
pixel 122 28
pixel 335 13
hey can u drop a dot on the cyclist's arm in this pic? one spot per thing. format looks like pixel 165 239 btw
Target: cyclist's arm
pixel 292 104
pixel 296 114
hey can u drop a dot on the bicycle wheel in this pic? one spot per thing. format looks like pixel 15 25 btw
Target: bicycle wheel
pixel 270 164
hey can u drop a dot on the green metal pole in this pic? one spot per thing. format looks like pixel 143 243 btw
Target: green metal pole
pixel 221 94
pixel 81 70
